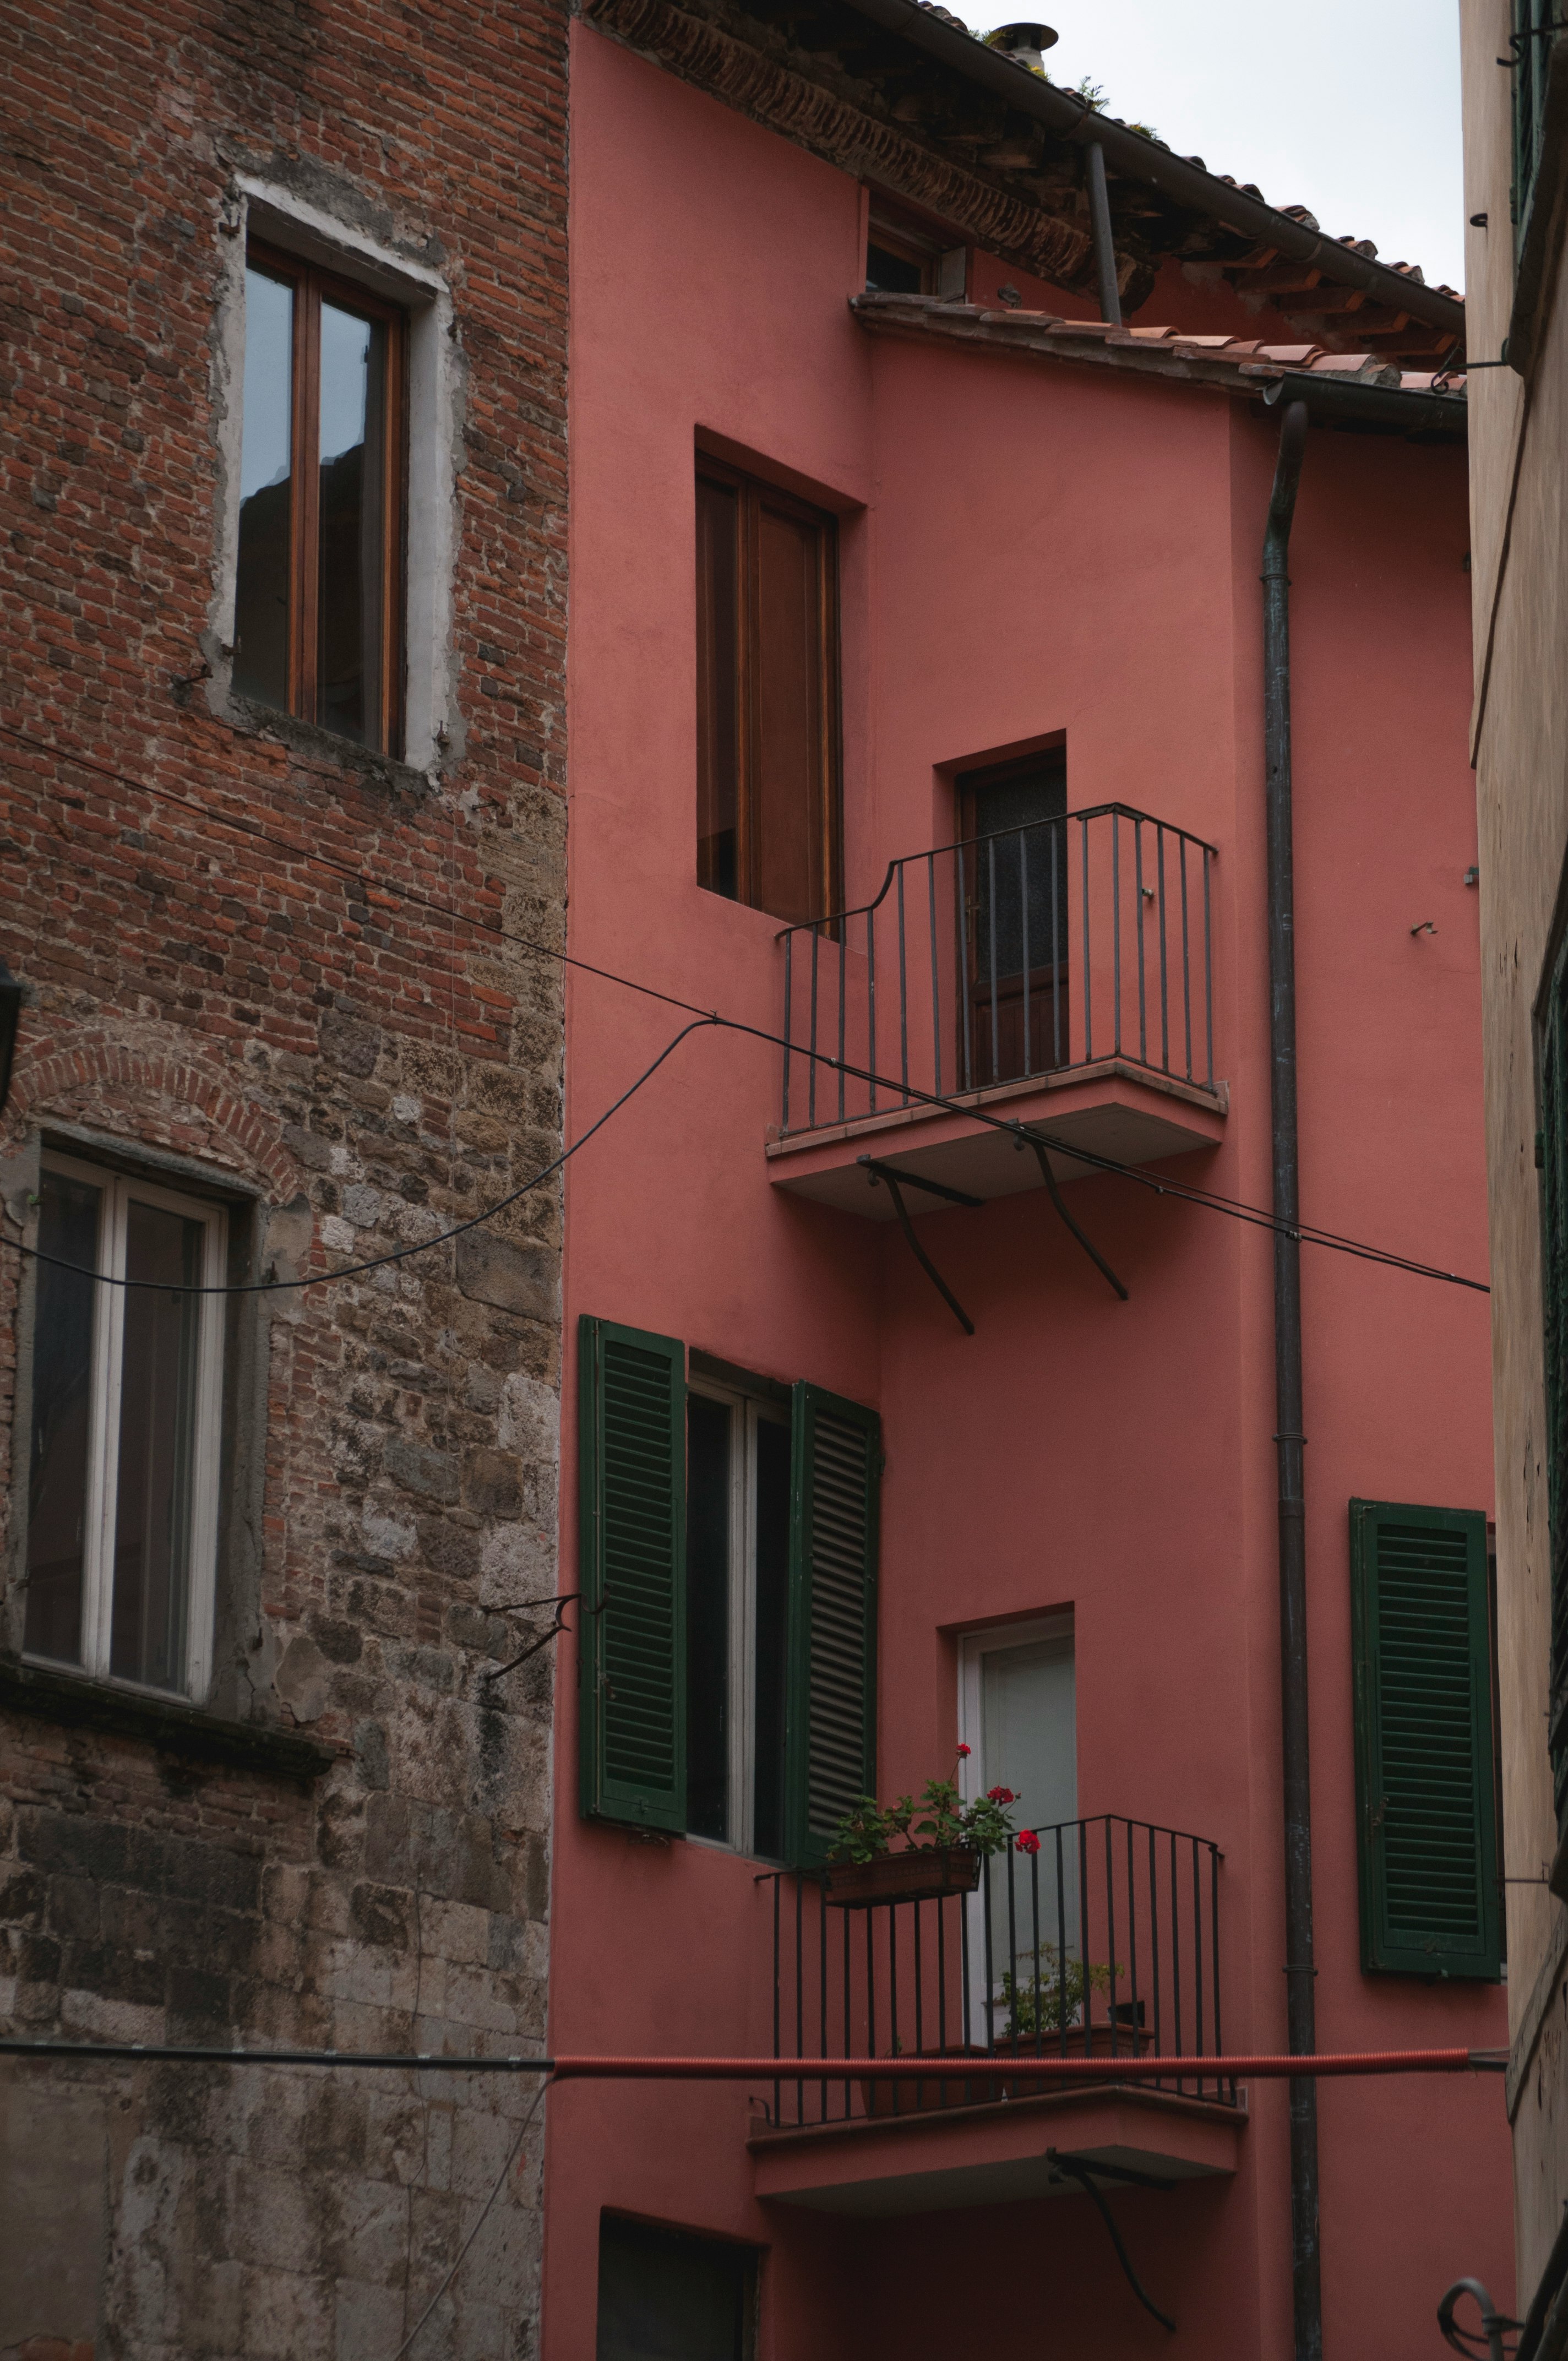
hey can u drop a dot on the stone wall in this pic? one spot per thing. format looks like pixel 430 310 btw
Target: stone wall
pixel 262 961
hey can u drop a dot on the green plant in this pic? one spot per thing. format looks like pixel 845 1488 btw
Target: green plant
pixel 1050 1997
pixel 938 1820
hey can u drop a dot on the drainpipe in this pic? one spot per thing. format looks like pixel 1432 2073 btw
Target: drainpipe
pixel 1099 223
pixel 1306 2288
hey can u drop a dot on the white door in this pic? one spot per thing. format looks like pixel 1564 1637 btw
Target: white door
pixel 1018 1717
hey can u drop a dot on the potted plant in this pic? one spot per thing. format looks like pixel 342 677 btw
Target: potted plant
pixel 1050 2008
pixel 940 1843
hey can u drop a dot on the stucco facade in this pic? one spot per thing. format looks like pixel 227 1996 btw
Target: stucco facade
pixel 1519 746
pixel 1028 550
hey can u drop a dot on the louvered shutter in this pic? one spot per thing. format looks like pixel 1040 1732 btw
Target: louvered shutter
pixel 632 1651
pixel 1553 1160
pixel 1425 1791
pixel 831 1719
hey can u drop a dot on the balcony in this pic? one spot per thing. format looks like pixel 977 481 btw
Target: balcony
pixel 1058 974
pixel 1105 1944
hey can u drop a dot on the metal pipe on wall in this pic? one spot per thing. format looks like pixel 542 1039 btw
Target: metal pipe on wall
pixel 1099 224
pixel 1290 1440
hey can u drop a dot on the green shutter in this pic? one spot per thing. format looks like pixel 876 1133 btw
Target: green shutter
pixel 1552 1157
pixel 634 1648
pixel 831 1743
pixel 1425 1811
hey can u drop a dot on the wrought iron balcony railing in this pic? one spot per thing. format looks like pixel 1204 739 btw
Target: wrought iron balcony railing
pixel 1022 954
pixel 1105 1944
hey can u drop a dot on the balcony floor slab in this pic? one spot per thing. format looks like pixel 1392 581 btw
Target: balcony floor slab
pixel 1111 1108
pixel 995 2154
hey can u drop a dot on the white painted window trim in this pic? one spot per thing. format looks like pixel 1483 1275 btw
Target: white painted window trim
pixel 119 1190
pixel 282 219
pixel 749 1413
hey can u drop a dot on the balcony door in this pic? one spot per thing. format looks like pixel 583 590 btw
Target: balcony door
pixel 1017 1710
pixel 1011 876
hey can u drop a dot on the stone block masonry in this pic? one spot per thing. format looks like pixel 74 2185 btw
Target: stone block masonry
pixel 213 1004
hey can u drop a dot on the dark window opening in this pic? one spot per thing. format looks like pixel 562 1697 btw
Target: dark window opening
pixel 888 273
pixel 1013 917
pixel 317 610
pixel 667 2295
pixel 767 697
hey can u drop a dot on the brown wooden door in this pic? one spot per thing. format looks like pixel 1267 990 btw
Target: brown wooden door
pixel 1013 920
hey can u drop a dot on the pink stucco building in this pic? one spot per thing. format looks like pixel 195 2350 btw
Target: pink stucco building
pixel 941 608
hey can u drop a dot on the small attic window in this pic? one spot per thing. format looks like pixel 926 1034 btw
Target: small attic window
pixel 902 258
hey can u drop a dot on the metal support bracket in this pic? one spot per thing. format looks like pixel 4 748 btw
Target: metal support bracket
pixel 1084 2171
pixel 559 1603
pixel 1027 1139
pixel 896 1183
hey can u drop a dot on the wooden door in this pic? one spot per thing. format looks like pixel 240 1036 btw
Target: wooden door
pixel 1012 918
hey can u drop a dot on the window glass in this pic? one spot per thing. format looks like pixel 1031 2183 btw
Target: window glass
pixel 319 554
pixel 767 697
pixel 126 1412
pixel 157 1389
pixel 351 443
pixel 69 1215
pixel 709 1517
pixel 663 2295
pixel 893 274
pixel 266 548
pixel 772 1649
pixel 737 1469
pixel 718 671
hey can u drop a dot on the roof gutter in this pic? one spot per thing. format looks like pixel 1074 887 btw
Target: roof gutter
pixel 1137 159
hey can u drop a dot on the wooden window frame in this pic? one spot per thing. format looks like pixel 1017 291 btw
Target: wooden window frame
pixel 754 494
pixel 311 286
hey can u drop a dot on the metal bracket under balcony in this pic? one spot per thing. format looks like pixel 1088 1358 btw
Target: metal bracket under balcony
pixel 1058 975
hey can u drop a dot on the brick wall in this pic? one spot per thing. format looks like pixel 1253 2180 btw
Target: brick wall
pixel 364 1072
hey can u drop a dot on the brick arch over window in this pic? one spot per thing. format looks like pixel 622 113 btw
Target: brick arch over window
pixel 162 1097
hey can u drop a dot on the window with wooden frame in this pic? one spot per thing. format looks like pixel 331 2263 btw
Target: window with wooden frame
pixel 768 799
pixel 729 1553
pixel 1425 1755
pixel 902 258
pixel 318 577
pixel 125 1428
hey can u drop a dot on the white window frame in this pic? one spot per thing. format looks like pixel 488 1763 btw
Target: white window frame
pixel 750 1412
pixel 119 1190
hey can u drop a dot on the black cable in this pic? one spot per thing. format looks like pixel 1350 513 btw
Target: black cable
pixel 397 1253
pixel 1026 1135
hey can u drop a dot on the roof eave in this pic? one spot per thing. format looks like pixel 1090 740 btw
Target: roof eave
pixel 1331 399
pixel 1136 157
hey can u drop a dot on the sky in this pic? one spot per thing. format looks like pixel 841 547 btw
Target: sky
pixel 1350 107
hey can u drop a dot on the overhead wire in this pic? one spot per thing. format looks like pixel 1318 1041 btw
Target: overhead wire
pixel 1025 1135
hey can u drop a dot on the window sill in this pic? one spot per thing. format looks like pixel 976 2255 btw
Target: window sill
pixel 161 1722
pixel 308 739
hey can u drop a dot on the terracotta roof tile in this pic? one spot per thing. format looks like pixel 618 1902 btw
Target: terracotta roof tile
pixel 1219 361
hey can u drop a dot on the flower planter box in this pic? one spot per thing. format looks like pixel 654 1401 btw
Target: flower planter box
pixel 954 2081
pixel 913 1876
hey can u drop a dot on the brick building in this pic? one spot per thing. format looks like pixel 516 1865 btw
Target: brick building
pixel 284 613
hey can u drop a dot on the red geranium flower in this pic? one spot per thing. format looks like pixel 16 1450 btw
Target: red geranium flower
pixel 962 1752
pixel 1028 1841
pixel 1001 1796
